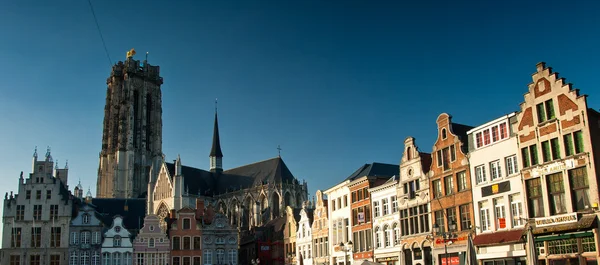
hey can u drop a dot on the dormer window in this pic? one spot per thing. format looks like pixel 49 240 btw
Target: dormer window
pixel 117 229
pixel 151 228
pixel 186 223
pixel 444 134
pixel 86 218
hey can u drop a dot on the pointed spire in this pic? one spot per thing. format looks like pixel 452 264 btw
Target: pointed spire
pixel 48 155
pixel 35 155
pixel 178 166
pixel 215 151
pixel 56 164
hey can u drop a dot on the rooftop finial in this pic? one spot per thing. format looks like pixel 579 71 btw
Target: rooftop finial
pixel 146 56
pixel 56 164
pixel 35 152
pixel 278 151
pixel 67 164
pixel 216 102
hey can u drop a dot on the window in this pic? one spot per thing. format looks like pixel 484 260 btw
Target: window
pixel 378 237
pixel 339 203
pixel 176 261
pixel 479 139
pixel 529 155
pixel 128 258
pixel 516 209
pixel 232 257
pixel 345 200
pixel 48 194
pixel 461 180
pixel 197 242
pixel 96 238
pixel 480 174
pixel 484 215
pixel 550 150
pixel 396 229
pixel 37 212
pixel 85 258
pixel 116 258
pixel 86 218
pixel 353 197
pixel 511 165
pixel 437 188
pixel 366 192
pixel 503 131
pixel 151 242
pixel 581 191
pixel 387 235
pixel 394 204
pixel 545 111
pixel 386 206
pixel 117 229
pixel 360 195
pixel 15 260
pixel 465 216
pixel 106 258
pixel 486 137
pixel 73 259
pixel 576 146
pixel 449 184
pixel 187 243
pixel 85 237
pixel 197 261
pixel 176 243
pixel 495 172
pixel 499 212
pixel 495 134
pixel 556 193
pixel 36 237
pixel 28 195
pixel 20 213
pixel 578 135
pixel 376 209
pixel 55 237
pixel 444 134
pixel 450 215
pixel 439 220
pixel 186 223
pixel 15 239
pixel 534 197
pixel 38 194
pixel 54 259
pixel 74 238
pixel 96 259
pixel 53 211
pixel 452 153
pixel 207 257
pixel 34 260
pixel 117 241
pixel 555 148
pixel 414 220
pixel 188 261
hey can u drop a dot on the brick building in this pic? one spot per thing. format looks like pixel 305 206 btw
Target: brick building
pixel 152 245
pixel 185 232
pixel 558 138
pixel 451 197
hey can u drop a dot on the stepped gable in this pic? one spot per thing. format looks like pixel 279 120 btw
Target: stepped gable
pixel 133 217
pixel 196 181
pixel 375 170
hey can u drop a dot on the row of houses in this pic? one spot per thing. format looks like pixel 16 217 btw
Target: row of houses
pixel 45 223
pixel 535 168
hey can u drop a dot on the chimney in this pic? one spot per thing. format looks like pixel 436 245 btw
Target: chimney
pixel 199 207
pixel 173 216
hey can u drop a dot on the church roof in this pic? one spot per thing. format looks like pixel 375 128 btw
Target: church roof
pixel 198 181
pixel 375 170
pixel 133 217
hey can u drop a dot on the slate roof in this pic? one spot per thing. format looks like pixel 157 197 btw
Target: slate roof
pixel 461 130
pixel 133 218
pixel 375 170
pixel 310 213
pixel 426 160
pixel 198 181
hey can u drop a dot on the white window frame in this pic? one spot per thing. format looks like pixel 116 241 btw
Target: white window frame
pixel 495 170
pixel 480 174
pixel 484 216
pixel 499 212
pixel 512 166
pixel 516 209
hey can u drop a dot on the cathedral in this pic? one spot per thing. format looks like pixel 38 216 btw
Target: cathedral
pixel 132 164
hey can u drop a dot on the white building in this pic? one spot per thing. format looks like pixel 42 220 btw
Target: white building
pixel 339 223
pixel 497 191
pixel 117 247
pixel 304 237
pixel 386 227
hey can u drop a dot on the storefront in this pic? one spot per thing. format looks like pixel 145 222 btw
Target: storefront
pixel 567 240
pixel 501 248
pixel 387 260
pixel 453 254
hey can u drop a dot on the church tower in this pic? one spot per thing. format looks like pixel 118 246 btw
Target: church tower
pixel 216 156
pixel 132 133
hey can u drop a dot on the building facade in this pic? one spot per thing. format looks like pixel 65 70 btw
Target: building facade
pixel 558 137
pixel 220 244
pixel 339 223
pixel 85 243
pixel 152 245
pixel 320 231
pixel 117 247
pixel 290 229
pixel 304 238
pixel 362 220
pixel 185 232
pixel 450 189
pixel 497 192
pixel 36 219
pixel 132 129
pixel 385 222
pixel 414 206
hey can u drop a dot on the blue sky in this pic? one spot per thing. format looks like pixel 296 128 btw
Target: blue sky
pixel 336 83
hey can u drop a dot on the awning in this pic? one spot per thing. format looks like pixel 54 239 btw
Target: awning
pixel 585 223
pixel 499 238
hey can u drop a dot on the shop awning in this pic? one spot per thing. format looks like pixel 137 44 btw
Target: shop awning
pixel 499 238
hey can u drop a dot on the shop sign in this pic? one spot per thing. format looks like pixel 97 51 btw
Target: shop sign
pixel 556 220
pixel 553 167
pixel 495 189
pixel 441 241
pixel 502 223
pixel 450 261
pixel 386 259
pixel 264 248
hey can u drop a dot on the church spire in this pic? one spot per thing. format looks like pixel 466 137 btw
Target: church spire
pixel 216 156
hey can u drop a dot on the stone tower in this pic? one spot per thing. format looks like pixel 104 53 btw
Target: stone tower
pixel 132 134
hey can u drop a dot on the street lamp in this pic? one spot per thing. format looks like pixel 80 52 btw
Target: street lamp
pixel 346 248
pixel 447 236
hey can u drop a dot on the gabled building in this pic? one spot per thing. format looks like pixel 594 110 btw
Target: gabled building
pixel 559 138
pixel 151 245
pixel 86 229
pixel 414 205
pixel 497 191
pixel 304 236
pixel 185 232
pixel 320 230
pixel 450 185
pixel 36 219
pixel 290 229
pixel 386 228
pixel 220 240
pixel 117 247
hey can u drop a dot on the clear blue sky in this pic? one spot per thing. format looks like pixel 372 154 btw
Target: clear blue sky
pixel 336 83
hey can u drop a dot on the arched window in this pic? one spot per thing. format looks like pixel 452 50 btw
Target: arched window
pixel 386 235
pixel 232 257
pixel 408 153
pixel 73 260
pixel 207 256
pixel 396 234
pixel 106 258
pixel 85 257
pixel 151 243
pixel 127 258
pixel 377 237
pixel 444 134
pixel 95 259
pixel 117 258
